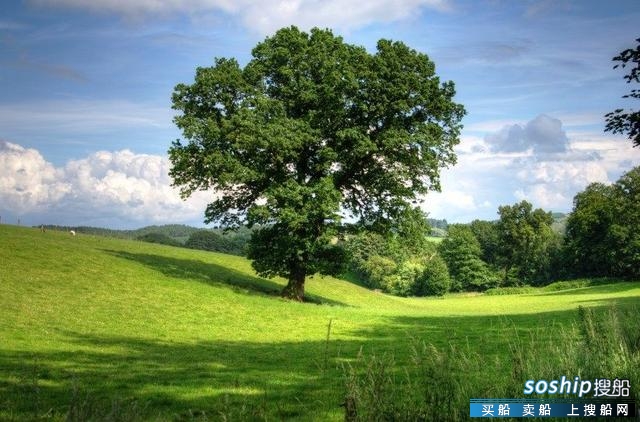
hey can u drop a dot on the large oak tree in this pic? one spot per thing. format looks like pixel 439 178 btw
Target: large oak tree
pixel 313 128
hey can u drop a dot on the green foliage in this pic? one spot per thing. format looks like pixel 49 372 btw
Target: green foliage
pixel 461 251
pixel 410 234
pixel 505 291
pixel 435 223
pixel 556 286
pixel 603 230
pixel 525 243
pixel 434 280
pixel 619 121
pixel 309 128
pixel 487 235
pixel 625 228
pixel 158 238
pixel 369 254
pixel 403 281
pixel 376 269
pixel 588 237
pixel 208 241
pixel 178 232
pixel 218 241
pixel 379 260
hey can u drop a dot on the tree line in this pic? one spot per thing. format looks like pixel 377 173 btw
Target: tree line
pixel 601 239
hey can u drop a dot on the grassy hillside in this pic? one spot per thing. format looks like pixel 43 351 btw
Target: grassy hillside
pixel 97 326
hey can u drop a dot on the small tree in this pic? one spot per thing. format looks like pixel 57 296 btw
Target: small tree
pixel 309 129
pixel 619 121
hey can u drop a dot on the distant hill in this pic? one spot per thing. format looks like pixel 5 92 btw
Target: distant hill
pixel 438 227
pixel 177 232
pixel 559 224
pixel 215 239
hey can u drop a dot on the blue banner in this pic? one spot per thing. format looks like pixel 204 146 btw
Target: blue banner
pixel 552 408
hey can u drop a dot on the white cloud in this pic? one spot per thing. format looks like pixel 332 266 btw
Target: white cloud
pixel 553 184
pixel 27 181
pixel 266 16
pixel 443 204
pixel 482 180
pixel 115 188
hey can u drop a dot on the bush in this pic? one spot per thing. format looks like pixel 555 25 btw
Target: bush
pixel 434 280
pixel 402 283
pixel 503 291
pixel 376 268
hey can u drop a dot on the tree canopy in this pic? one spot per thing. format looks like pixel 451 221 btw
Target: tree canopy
pixel 462 253
pixel 525 238
pixel 603 231
pixel 621 121
pixel 310 130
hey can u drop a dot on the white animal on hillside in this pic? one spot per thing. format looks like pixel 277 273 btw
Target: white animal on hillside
pixel 73 232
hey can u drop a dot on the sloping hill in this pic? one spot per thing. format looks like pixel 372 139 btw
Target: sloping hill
pixel 88 323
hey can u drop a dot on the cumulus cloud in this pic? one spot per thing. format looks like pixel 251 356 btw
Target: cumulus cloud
pixel 448 203
pixel 27 181
pixel 269 15
pixel 492 172
pixel 120 188
pixel 553 184
pixel 543 134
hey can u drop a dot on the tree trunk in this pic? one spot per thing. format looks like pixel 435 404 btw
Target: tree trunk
pixel 294 289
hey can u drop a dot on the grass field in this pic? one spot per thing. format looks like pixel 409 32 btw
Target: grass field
pixel 93 327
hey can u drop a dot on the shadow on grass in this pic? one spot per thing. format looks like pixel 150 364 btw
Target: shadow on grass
pixel 211 273
pixel 217 379
pixel 240 380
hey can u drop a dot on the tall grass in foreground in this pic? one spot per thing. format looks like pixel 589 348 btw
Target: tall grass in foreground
pixel 438 383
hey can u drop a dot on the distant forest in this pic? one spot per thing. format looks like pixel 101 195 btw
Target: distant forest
pixel 216 239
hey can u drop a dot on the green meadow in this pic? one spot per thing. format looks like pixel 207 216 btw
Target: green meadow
pixel 96 328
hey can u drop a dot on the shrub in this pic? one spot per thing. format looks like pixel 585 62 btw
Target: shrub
pixel 402 283
pixel 376 268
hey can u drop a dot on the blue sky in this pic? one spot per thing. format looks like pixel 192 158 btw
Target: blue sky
pixel 85 116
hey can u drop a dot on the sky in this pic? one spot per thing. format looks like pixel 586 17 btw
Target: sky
pixel 85 97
